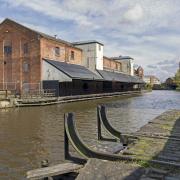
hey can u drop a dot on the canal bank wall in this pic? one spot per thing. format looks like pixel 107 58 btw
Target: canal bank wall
pixel 7 103
pixel 6 99
pixel 67 99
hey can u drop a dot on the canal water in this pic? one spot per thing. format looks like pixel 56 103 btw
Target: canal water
pixel 29 135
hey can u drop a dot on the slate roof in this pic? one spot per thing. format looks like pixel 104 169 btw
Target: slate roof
pixel 137 79
pixel 74 71
pixel 87 42
pixel 122 58
pixel 119 77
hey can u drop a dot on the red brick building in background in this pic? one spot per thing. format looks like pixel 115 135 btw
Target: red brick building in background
pixel 34 61
pixel 21 53
pixel 110 64
pixel 139 72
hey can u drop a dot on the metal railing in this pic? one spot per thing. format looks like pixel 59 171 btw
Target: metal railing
pixel 40 93
pixel 11 86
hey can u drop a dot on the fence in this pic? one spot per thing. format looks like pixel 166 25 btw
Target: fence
pixel 34 90
pixel 28 90
pixel 11 86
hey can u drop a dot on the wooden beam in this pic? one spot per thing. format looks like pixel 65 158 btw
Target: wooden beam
pixel 55 170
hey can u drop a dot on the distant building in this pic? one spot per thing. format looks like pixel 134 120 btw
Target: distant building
pixel 151 80
pixel 139 72
pixel 111 65
pixel 127 64
pixel 147 79
pixel 115 69
pixel 22 53
pixel 94 59
pixel 31 61
pixel 170 83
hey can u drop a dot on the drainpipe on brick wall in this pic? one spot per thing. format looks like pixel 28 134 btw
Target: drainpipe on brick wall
pixel 20 78
pixel 3 64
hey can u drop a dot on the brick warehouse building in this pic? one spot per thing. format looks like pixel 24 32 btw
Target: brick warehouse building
pixel 30 61
pixel 22 51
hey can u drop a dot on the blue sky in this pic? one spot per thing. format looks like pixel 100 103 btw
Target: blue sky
pixel 147 30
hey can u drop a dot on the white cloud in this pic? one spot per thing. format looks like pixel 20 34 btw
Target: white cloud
pixel 134 14
pixel 164 69
pixel 1 19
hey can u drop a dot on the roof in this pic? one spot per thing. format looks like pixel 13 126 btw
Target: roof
pixel 41 34
pixel 140 68
pixel 87 42
pixel 107 58
pixel 74 71
pixel 122 58
pixel 120 77
pixel 137 79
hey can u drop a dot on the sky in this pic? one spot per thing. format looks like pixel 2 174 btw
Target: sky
pixel 147 30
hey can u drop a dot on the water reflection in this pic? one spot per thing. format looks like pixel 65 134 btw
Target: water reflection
pixel 28 135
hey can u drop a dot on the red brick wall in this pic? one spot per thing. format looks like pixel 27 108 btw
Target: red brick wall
pixel 13 63
pixel 140 72
pixel 111 64
pixel 48 51
pixel 13 68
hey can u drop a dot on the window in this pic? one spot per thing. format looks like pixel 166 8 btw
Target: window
pixel 72 55
pixel 57 51
pixel 25 48
pixel 25 67
pixel 7 50
pixel 99 47
pixel 7 47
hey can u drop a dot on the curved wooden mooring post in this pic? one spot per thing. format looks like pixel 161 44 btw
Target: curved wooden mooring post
pixel 72 135
pixel 102 119
pixel 87 153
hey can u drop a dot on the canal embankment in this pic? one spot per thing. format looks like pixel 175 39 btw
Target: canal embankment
pixel 44 101
pixel 153 154
pixel 156 150
pixel 6 99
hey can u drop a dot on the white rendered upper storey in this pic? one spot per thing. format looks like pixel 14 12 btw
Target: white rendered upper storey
pixel 92 54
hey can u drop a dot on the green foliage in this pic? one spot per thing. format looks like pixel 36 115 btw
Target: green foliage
pixel 144 163
pixel 177 79
pixel 148 86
